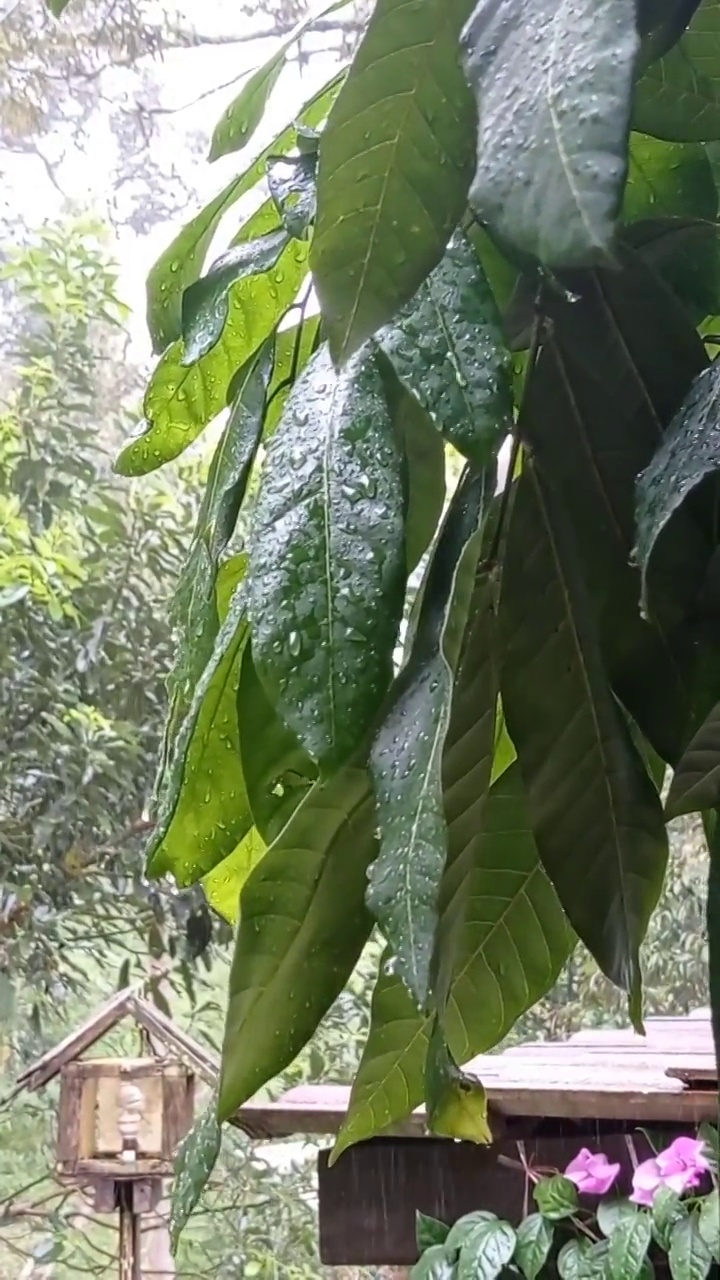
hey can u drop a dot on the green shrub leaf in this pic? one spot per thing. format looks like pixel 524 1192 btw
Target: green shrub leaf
pixel 486 1251
pixel 446 346
pixel 678 98
pixel 555 88
pixel 689 1254
pixel 325 619
pixel 629 1243
pixel 534 1239
pixel 396 160
pixel 696 781
pixel 194 1163
pixel 205 303
pixel 556 1197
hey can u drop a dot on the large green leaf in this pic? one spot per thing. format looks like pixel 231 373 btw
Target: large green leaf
pixel 180 400
pixel 447 348
pixel 196 1158
pixel 660 24
pixel 195 607
pixel 205 303
pixel 594 410
pixel 512 948
pixel 203 809
pixel 696 781
pixel 396 160
pixel 554 83
pixel 455 1103
pixel 303 925
pixel 240 120
pixel 678 98
pixel 684 253
pixel 181 263
pixel 327 558
pixel 293 348
pixel 406 767
pixel 688 454
pixel 425 458
pixel 276 770
pixel 595 812
pixel 222 885
pixel 667 179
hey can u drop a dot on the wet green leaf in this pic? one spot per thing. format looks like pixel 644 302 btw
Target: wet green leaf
pixel 556 1197
pixel 429 1231
pixel 593 412
pixel 456 1103
pixel 276 770
pixel 696 781
pixel 463 1228
pixel 292 184
pixel 688 453
pixel 396 160
pixel 487 1251
pixel 512 951
pixel 689 1254
pixel 573 1262
pixel 587 785
pixel 302 927
pixel 667 179
pixel 683 253
pixel 629 1243
pixel 709 1222
pixel 533 1244
pixel 661 24
pixel 182 262
pixel 406 768
pixel 203 809
pixel 222 885
pixel 611 1212
pixel 246 112
pixel 678 98
pixel 181 400
pixel 293 348
pixel 446 346
pixel 425 458
pixel 206 303
pixel 194 1163
pixel 327 559
pixel 667 1210
pixel 555 86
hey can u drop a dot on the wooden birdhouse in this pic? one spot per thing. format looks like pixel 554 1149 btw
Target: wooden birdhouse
pixel 121 1118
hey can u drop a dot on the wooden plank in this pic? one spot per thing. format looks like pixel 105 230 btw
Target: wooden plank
pixel 78 1041
pixel 368 1200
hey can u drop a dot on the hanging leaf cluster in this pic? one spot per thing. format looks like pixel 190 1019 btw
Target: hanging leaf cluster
pixel 447 710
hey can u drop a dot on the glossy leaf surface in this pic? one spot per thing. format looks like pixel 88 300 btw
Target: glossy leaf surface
pixel 396 160
pixel 456 1103
pixel 629 1244
pixel 678 98
pixel 587 786
pixel 554 85
pixel 205 303
pixel 425 465
pixel 696 781
pixel 194 1163
pixel 406 757
pixel 533 1244
pixel 302 927
pixel 327 560
pixel 446 346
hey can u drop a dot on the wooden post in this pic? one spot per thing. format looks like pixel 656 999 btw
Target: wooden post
pixel 129 1252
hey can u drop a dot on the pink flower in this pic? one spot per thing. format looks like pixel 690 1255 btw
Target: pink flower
pixel 592 1174
pixel 681 1167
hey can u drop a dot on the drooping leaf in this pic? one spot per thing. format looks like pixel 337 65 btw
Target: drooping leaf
pixel 181 400
pixel 689 452
pixel 595 814
pixel 456 1103
pixel 533 1243
pixel 327 559
pixel 683 253
pixel 182 262
pixel 203 811
pixel 696 781
pixel 512 951
pixel 556 1197
pixel 302 927
pixel 678 97
pixel 396 160
pixel 292 184
pixel 554 85
pixel 222 885
pixel 709 1222
pixel 293 348
pixel 245 113
pixel 689 1255
pixel 205 303
pixel 594 409
pixel 194 1163
pixel 429 1231
pixel 276 770
pixel 425 458
pixel 406 768
pixel 195 608
pixel 487 1251
pixel 446 346
pixel 629 1243
pixel 660 24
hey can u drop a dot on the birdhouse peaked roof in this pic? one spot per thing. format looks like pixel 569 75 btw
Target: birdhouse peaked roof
pixel 128 1003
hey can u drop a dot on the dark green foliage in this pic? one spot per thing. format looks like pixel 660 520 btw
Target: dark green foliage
pixel 469 717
